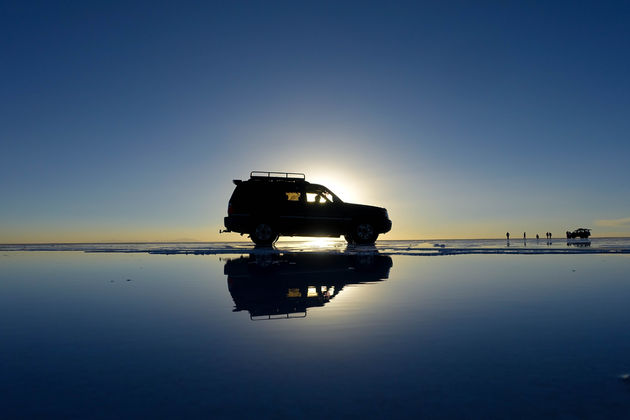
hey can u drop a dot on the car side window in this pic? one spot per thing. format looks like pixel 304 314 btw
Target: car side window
pixel 319 197
pixel 293 196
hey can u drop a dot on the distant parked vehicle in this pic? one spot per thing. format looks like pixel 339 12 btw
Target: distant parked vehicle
pixel 270 204
pixel 582 233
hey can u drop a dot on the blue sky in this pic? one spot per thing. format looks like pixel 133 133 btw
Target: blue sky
pixel 128 120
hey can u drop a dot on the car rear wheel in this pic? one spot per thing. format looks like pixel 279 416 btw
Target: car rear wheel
pixel 264 234
pixel 364 234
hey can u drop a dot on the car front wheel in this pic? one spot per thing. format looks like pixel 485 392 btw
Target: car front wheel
pixel 364 234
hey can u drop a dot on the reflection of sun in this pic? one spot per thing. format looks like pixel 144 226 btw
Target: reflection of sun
pixel 321 242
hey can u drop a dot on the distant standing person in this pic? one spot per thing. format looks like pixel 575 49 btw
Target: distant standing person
pixel 537 237
pixel 507 235
pixel 524 235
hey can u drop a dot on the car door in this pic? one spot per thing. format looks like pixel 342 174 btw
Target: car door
pixel 292 211
pixel 323 214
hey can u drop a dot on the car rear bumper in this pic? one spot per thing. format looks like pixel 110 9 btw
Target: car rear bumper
pixel 236 223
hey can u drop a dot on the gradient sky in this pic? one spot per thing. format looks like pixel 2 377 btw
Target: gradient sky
pixel 128 120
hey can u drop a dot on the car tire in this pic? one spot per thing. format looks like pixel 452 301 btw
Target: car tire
pixel 364 233
pixel 263 234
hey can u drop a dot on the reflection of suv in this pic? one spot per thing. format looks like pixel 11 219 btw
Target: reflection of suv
pixel 270 204
pixel 272 286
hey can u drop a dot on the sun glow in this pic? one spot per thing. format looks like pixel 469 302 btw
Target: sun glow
pixel 343 185
pixel 321 242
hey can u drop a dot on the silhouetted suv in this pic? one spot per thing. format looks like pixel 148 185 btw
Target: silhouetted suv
pixel 579 233
pixel 270 204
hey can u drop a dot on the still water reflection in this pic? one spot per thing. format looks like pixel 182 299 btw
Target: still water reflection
pixel 469 336
pixel 273 286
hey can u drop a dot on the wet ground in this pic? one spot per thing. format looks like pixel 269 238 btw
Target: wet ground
pixel 315 330
pixel 411 247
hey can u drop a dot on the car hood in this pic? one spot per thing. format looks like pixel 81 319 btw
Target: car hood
pixel 365 208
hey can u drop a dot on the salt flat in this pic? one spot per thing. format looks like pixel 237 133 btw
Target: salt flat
pixel 295 332
pixel 325 245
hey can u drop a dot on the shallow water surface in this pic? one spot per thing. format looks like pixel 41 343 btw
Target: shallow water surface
pixel 102 335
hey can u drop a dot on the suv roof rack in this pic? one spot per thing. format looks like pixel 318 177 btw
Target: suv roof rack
pixel 277 175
